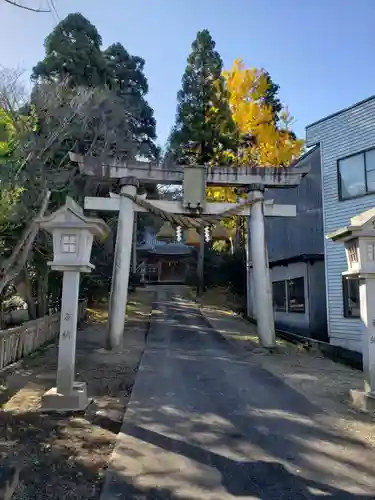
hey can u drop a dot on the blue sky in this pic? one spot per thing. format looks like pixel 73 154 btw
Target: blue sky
pixel 320 52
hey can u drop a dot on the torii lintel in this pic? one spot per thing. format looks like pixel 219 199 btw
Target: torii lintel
pixel 148 173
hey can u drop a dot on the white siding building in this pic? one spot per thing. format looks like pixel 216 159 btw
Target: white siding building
pixel 347 148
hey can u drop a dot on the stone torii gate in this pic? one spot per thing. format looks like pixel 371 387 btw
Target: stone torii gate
pixel 194 180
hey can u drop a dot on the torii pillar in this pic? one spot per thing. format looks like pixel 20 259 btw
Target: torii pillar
pixel 120 273
pixel 261 272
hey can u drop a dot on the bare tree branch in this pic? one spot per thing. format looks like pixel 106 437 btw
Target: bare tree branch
pixel 11 2
pixel 12 94
pixel 19 256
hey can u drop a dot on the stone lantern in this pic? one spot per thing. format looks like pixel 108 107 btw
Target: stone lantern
pixel 72 236
pixel 359 241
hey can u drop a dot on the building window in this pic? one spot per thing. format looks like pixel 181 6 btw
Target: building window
pixel 350 294
pixel 357 175
pixel 296 295
pixel 289 296
pixel 69 243
pixel 279 295
pixel 370 252
pixel 370 170
pixel 352 253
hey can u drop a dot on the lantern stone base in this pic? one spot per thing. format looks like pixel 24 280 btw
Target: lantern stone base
pixel 364 401
pixel 77 400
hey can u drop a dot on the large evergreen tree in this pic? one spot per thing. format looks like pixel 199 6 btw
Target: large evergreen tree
pixel 271 98
pixel 73 55
pixel 127 79
pixel 199 134
pixel 73 52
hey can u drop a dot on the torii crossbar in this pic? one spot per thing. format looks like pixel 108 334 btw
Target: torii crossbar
pixel 147 173
pixel 130 174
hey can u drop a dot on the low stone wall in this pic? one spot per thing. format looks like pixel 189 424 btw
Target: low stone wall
pixel 18 342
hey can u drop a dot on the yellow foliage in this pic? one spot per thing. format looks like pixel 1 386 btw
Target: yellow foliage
pixel 9 198
pixel 270 145
pixel 221 194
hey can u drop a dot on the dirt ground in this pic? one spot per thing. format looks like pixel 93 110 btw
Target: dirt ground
pixel 223 298
pixel 323 381
pixel 64 456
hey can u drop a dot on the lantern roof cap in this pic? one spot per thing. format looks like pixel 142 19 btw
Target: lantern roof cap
pixel 71 216
pixel 360 225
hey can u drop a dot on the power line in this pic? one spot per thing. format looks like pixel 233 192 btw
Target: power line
pixel 52 6
pixel 15 4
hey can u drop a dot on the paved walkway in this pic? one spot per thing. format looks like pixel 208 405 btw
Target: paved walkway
pixel 204 423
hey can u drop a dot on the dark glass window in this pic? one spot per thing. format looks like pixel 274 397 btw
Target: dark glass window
pixel 279 295
pixel 370 170
pixel 296 295
pixel 352 178
pixel 357 175
pixel 350 288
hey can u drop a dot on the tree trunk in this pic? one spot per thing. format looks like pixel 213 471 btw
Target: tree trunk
pixel 134 249
pixel 20 254
pixel 24 288
pixel 244 231
pixel 2 326
pixel 43 292
pixel 238 233
pixel 231 245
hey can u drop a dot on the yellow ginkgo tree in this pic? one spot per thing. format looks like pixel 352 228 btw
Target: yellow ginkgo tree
pixel 263 137
pixel 261 142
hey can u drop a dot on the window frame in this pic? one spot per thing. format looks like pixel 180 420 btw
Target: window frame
pixel 291 311
pixel 353 252
pixel 71 243
pixel 345 298
pixel 339 183
pixel 367 171
pixel 285 310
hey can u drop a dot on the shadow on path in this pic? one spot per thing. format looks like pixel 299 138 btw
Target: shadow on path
pixel 204 424
pixel 260 479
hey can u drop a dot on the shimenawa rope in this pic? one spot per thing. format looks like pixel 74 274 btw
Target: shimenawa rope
pixel 188 221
